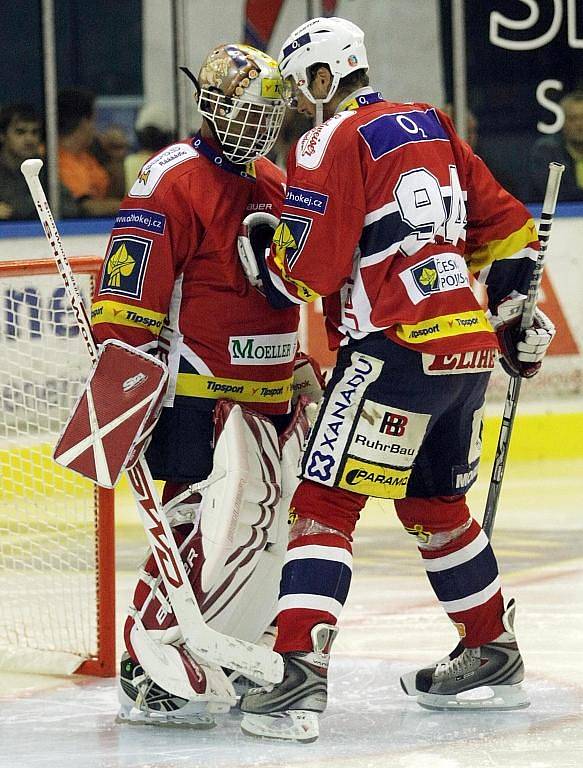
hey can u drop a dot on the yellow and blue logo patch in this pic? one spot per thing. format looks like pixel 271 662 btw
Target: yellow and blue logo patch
pixel 125 266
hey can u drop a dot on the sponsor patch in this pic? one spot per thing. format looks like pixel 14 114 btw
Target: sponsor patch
pixel 312 145
pixel 289 238
pixel 386 435
pixel 116 313
pixel 386 133
pixel 243 391
pixel 478 361
pixel 272 88
pixel 464 476
pixel 154 169
pixel 374 479
pixel 437 274
pixel 125 266
pixel 263 350
pixel 445 326
pixel 335 422
pixel 138 218
pixel 307 199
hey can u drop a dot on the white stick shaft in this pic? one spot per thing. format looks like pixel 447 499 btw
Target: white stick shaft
pixel 544 231
pixel 31 169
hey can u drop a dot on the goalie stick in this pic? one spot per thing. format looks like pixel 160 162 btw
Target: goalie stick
pixel 253 661
pixel 515 383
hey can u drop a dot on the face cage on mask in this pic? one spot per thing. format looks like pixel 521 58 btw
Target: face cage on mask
pixel 244 129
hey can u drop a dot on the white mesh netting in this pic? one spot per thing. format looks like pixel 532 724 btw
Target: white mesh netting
pixel 48 576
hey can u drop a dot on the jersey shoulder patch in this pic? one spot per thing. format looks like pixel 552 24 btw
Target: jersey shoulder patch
pixel 153 171
pixel 312 146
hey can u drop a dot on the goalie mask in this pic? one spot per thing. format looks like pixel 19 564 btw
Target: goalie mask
pixel 336 42
pixel 240 93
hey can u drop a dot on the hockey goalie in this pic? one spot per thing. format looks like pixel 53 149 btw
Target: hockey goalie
pixel 209 401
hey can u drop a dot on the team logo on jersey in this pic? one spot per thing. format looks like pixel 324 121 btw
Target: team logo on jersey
pixel 437 274
pixel 137 218
pixel 289 238
pixel 125 266
pixel 307 199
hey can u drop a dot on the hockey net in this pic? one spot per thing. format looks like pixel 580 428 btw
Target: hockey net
pixel 57 592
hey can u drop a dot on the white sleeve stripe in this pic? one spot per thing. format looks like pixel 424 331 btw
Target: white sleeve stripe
pixel 434 565
pixel 472 601
pixel 320 553
pixel 310 602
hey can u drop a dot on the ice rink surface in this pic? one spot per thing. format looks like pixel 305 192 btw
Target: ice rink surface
pixel 391 625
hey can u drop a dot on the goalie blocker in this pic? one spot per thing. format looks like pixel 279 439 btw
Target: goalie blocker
pixel 114 415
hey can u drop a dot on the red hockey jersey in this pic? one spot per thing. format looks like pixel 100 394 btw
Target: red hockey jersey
pixel 387 212
pixel 171 282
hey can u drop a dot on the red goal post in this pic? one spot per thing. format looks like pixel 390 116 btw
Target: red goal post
pixel 57 553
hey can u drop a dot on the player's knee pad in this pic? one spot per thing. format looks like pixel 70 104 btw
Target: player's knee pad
pixel 435 522
pixel 332 508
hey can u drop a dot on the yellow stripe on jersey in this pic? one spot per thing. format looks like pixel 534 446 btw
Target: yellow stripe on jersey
pixel 302 291
pixel 502 249
pixel 443 326
pixel 195 385
pixel 125 314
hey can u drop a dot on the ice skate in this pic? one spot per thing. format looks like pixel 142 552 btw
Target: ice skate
pixel 289 710
pixel 142 701
pixel 487 677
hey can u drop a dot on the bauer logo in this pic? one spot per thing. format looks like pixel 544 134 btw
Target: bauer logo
pixel 306 199
pixel 137 218
pixel 263 350
pixel 444 272
pixel 125 266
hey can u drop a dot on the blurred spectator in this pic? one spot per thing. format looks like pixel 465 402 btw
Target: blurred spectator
pixel 20 139
pixel 564 147
pixel 294 125
pixel 154 131
pixel 110 149
pixel 80 172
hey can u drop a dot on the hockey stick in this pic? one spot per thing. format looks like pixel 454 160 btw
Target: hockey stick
pixel 515 383
pixel 253 661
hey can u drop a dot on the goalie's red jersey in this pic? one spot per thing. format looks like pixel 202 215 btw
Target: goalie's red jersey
pixel 387 213
pixel 171 282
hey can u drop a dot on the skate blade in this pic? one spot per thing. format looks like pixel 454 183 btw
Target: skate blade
pixel 494 698
pixel 134 716
pixel 295 725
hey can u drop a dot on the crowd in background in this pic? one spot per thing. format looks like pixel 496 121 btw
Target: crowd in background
pixel 97 168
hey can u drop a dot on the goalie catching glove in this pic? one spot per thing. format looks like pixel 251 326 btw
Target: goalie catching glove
pixel 253 244
pixel 522 350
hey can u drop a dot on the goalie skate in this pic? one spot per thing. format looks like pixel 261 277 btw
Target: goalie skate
pixel 289 710
pixel 144 702
pixel 487 677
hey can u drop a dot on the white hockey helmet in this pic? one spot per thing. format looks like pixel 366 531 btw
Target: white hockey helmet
pixel 240 93
pixel 333 41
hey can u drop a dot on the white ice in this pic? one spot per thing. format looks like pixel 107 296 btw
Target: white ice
pixel 391 624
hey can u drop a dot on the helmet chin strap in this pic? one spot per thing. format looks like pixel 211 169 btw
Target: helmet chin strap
pixel 319 119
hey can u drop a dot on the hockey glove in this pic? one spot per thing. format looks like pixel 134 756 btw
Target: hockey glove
pixel 254 239
pixel 253 244
pixel 522 351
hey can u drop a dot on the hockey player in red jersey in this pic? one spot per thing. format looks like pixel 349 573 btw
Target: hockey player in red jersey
pixel 172 285
pixel 387 213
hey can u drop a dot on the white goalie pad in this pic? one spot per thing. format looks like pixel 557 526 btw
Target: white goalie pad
pixel 243 602
pixel 114 415
pixel 240 505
